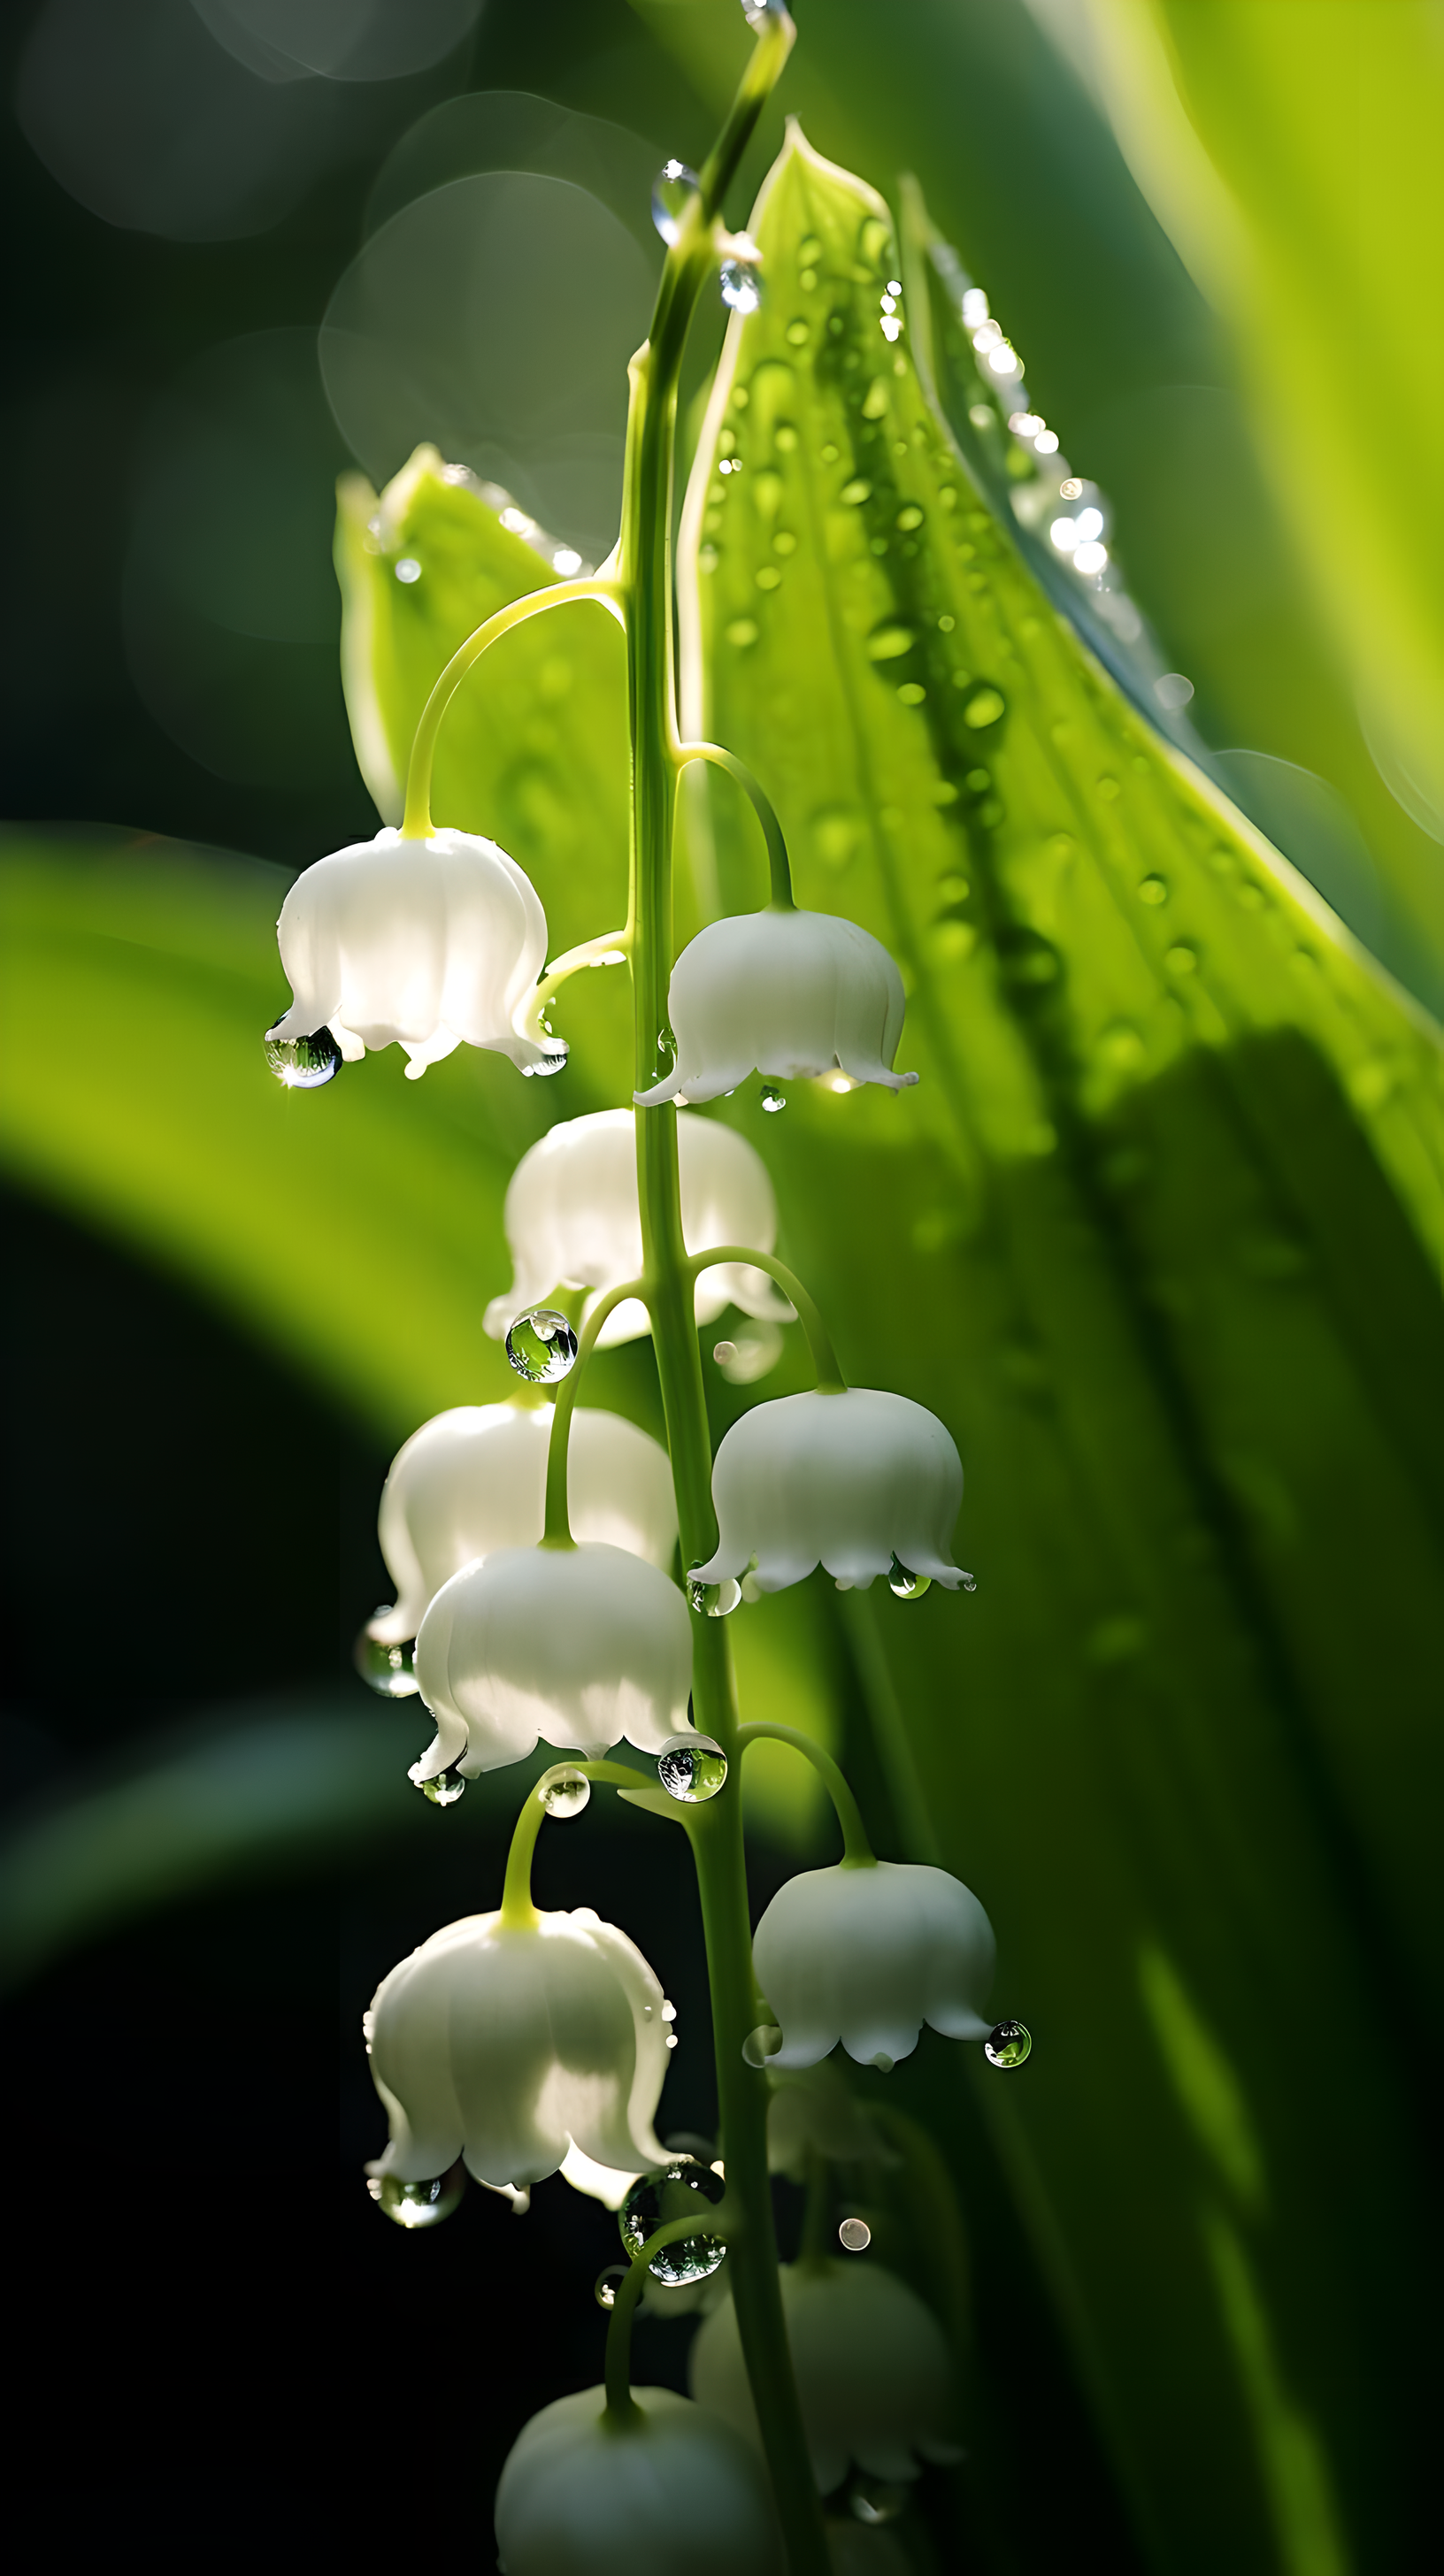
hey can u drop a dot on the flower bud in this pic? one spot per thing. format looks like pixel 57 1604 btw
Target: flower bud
pixel 510 2044
pixel 572 1220
pixel 579 1646
pixel 428 943
pixel 679 2491
pixel 782 993
pixel 873 2376
pixel 867 1955
pixel 853 1480
pixel 474 1480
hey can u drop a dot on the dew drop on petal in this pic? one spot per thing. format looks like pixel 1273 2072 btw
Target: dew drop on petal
pixel 608 2283
pixel 673 190
pixel 772 1099
pixel 304 1064
pixel 541 1345
pixel 714 1600
pixel 674 2192
pixel 1008 2044
pixel 854 2235
pixel 692 1768
pixel 418 2204
pixel 905 1585
pixel 388 1670
pixel 567 1794
pixel 970 1582
pixel 443 1790
pixel 883 2062
pixel 762 2043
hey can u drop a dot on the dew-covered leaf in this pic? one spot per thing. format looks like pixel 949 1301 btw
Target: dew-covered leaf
pixel 1158 1235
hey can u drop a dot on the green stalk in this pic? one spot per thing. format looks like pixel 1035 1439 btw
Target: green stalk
pixel 643 573
pixel 830 1380
pixel 857 1851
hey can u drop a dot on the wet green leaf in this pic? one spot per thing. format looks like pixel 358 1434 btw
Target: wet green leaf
pixel 1158 1235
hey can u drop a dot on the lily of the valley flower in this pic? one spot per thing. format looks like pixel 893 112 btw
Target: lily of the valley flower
pixel 681 2491
pixel 785 994
pixel 850 1479
pixel 474 1480
pixel 579 1646
pixel 424 944
pixel 871 2366
pixel 509 2044
pixel 867 1955
pixel 572 1221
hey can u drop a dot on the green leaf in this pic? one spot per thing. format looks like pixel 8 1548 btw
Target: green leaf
pixel 1158 1235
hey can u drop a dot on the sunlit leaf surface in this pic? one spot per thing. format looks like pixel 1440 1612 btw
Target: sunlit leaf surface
pixel 1158 1235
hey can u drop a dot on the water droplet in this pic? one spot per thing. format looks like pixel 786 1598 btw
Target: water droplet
pixel 304 1064
pixel 1153 890
pixel 673 190
pixel 762 2043
pixel 906 1586
pixel 1008 2044
pixel 969 1582
pixel 854 2235
pixel 883 2062
pixel 418 2204
pixel 567 1794
pixel 389 1670
pixel 722 1352
pixel 798 334
pixel 608 2283
pixel 873 2501
pixel 692 1768
pixel 541 1345
pixel 443 1790
pixel 714 1600
pixel 741 286
pixel 1180 961
pixel 772 1099
pixel 887 643
pixel 555 1061
pixel 742 632
pixel 984 707
pixel 676 2191
pixel 669 2013
pixel 856 492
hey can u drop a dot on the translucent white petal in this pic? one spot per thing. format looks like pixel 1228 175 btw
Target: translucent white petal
pixel 474 1480
pixel 684 2492
pixel 421 943
pixel 846 1480
pixel 868 1955
pixel 572 1219
pixel 786 993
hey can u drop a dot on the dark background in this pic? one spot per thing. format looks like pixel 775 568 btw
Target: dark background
pixel 189 1529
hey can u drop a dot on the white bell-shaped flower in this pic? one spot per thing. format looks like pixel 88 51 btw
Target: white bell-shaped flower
pixel 572 1220
pixel 873 2376
pixel 427 944
pixel 473 1480
pixel 577 1645
pixel 511 2044
pixel 866 1955
pixel 850 1479
pixel 681 2494
pixel 782 993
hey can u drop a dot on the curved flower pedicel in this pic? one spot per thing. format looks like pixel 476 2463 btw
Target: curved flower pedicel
pixel 859 1481
pixel 678 2489
pixel 867 1954
pixel 579 1646
pixel 474 1480
pixel 572 1220
pixel 871 2365
pixel 511 2043
pixel 782 993
pixel 428 944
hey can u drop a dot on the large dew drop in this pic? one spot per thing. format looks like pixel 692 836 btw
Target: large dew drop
pixel 673 190
pixel 541 1346
pixel 692 1768
pixel 566 1795
pixel 304 1064
pixel 388 1670
pixel 1008 2045
pixel 714 1600
pixel 418 2204
pixel 608 2283
pixel 443 1790
pixel 854 2235
pixel 906 1586
pixel 741 286
pixel 680 2188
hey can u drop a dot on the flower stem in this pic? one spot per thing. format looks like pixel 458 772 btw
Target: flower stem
pixel 416 822
pixel 623 2414
pixel 857 1851
pixel 830 1380
pixel 517 1910
pixel 557 1529
pixel 642 568
pixel 613 948
pixel 779 867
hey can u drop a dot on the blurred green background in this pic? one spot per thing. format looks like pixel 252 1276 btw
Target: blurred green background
pixel 223 1314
